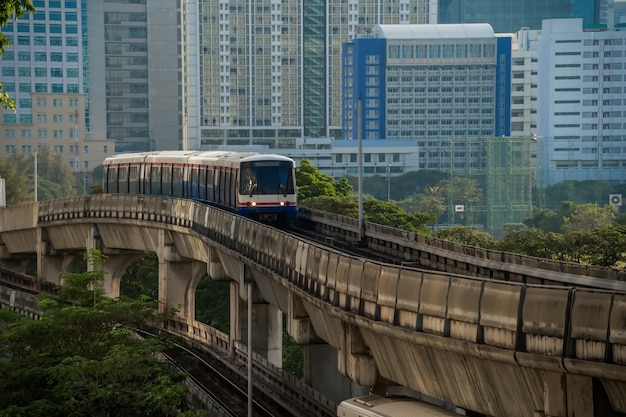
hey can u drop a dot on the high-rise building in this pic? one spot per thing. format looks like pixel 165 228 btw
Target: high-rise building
pixel 513 15
pixel 524 66
pixel 135 60
pixel 44 72
pixel 581 95
pixel 122 61
pixel 430 83
pixel 270 70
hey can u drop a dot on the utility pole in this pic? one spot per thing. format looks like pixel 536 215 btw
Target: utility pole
pixel 35 176
pixel 388 183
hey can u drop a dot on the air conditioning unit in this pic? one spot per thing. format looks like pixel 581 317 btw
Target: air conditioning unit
pixel 615 199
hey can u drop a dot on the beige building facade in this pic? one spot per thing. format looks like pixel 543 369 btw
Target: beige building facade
pixel 58 122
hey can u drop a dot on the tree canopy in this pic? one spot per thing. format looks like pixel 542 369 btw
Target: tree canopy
pixel 83 358
pixel 55 178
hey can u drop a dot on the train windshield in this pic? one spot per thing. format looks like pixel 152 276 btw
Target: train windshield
pixel 266 177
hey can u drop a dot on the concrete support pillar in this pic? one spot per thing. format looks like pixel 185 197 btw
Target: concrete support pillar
pixel 354 359
pixel 579 396
pixel 113 268
pixel 215 269
pixel 50 266
pixel 322 373
pixel 567 395
pixel 299 324
pixel 41 250
pixel 267 339
pixel 178 278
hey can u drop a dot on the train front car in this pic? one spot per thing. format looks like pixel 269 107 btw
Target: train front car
pixel 267 188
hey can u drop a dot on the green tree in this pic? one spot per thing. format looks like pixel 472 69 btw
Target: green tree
pixel 552 221
pixel 390 214
pixel 590 216
pixel 467 236
pixel 402 186
pixel 83 358
pixel 545 220
pixel 534 242
pixel 293 356
pixel 54 176
pixel 141 278
pixel 461 190
pixel 311 182
pixel 98 174
pixel 430 200
pixel 213 303
pixel 17 187
pixel 10 9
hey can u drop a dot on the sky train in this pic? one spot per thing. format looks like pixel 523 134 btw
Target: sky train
pixel 378 406
pixel 254 185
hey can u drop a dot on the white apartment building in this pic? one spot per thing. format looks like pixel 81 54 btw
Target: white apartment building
pixel 524 83
pixel 581 96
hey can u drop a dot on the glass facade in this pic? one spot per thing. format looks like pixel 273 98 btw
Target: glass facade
pixel 506 16
pixel 314 68
pixel 126 74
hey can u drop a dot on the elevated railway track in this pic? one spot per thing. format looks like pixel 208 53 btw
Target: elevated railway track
pixel 492 325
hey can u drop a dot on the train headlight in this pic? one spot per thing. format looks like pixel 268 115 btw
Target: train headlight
pixel 282 203
pixel 251 203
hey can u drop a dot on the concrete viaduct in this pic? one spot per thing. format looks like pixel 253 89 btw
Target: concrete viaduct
pixel 498 334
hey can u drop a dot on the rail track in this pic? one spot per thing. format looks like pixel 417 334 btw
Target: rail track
pixel 223 381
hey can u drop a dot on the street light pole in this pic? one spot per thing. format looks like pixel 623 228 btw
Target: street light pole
pixel 35 176
pixel 388 183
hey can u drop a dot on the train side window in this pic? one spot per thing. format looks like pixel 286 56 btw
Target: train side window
pixel 166 179
pixel 177 181
pixel 192 181
pixel 227 187
pixel 133 180
pixel 202 185
pixel 155 179
pixel 219 186
pixel 209 180
pixel 112 179
pixel 233 189
pixel 122 179
pixel 186 184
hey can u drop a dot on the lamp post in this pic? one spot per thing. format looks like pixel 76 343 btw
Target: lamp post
pixel 388 183
pixel 35 176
